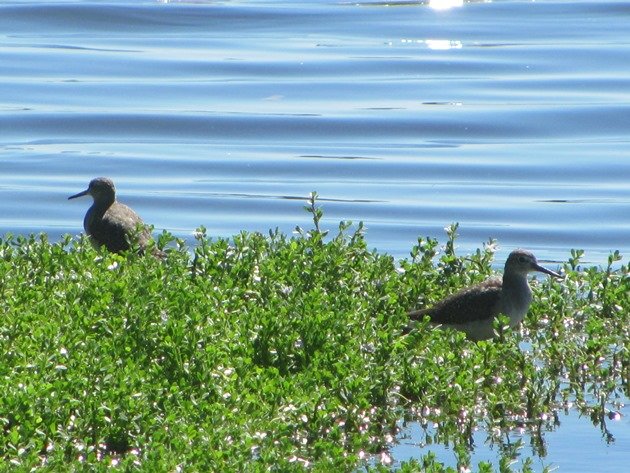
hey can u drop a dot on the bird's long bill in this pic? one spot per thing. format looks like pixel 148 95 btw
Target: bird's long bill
pixel 80 194
pixel 547 271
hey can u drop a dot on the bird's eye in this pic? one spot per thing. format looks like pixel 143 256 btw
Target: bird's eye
pixel 522 259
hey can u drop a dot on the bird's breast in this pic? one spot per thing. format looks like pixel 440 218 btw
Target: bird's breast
pixel 515 301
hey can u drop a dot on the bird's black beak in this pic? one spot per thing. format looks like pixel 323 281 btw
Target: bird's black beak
pixel 542 269
pixel 80 194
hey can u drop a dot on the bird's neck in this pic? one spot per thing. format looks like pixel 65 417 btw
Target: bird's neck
pixel 517 289
pixel 100 207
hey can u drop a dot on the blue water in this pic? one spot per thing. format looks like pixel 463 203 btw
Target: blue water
pixel 575 446
pixel 509 117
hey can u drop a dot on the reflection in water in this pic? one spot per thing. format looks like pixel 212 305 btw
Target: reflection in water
pixel 438 44
pixel 445 4
pixel 443 44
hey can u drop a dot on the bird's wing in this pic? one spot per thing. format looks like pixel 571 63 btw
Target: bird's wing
pixel 474 303
pixel 110 233
pixel 122 223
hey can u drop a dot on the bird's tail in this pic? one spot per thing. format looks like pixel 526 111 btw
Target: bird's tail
pixel 417 315
pixel 414 316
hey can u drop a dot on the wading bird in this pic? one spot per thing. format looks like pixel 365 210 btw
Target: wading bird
pixel 110 223
pixel 473 309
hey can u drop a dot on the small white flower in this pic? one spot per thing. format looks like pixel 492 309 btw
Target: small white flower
pixel 614 415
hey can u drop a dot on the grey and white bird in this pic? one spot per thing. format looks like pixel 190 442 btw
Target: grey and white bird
pixel 473 309
pixel 110 223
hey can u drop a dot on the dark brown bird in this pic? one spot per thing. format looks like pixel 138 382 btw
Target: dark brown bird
pixel 473 309
pixel 110 223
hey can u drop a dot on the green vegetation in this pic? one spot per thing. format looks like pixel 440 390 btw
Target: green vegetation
pixel 269 352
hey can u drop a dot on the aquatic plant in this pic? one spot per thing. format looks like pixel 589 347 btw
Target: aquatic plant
pixel 286 352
